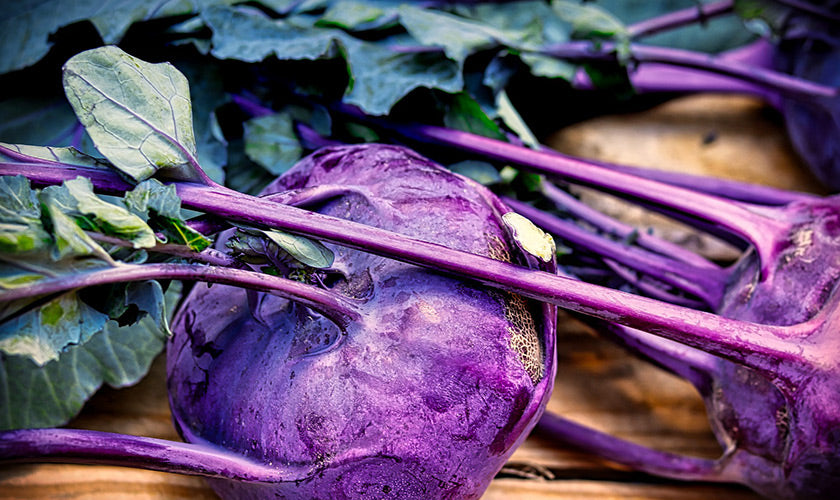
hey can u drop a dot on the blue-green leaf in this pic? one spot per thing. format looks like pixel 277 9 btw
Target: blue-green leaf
pixel 271 142
pixel 138 114
pixel 50 395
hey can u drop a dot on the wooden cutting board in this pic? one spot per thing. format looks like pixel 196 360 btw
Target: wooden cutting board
pixel 597 383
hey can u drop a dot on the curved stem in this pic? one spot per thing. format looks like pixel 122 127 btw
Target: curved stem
pixel 702 283
pixel 747 343
pixel 631 454
pixel 107 448
pixel 330 304
pixel 679 18
pixel 761 231
pixel 207 256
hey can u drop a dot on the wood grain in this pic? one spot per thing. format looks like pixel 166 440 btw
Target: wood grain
pixel 596 384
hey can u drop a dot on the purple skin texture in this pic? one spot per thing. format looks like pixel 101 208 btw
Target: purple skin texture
pixel 425 397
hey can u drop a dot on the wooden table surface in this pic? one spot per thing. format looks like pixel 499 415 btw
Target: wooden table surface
pixel 597 383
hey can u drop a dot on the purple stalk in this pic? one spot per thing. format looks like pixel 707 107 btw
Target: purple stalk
pixel 207 256
pixel 679 18
pixel 702 283
pixel 782 83
pixel 106 448
pixel 761 231
pixel 743 342
pixel 332 305
pixel 652 289
pixel 607 224
pixel 633 455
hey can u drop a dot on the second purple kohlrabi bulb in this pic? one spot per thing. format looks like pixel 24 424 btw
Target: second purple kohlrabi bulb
pixel 426 397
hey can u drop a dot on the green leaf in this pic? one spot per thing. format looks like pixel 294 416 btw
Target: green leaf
pixel 479 171
pixel 21 230
pixel 589 20
pixel 108 218
pixel 138 114
pixel 156 196
pixel 307 251
pixel 270 245
pixel 70 239
pixel 381 77
pixel 42 333
pixel 68 155
pixel 36 120
pixel 207 95
pixel 351 15
pixel 50 395
pixel 160 205
pixel 711 35
pixel 459 37
pixel 513 120
pixel 464 113
pixel 271 142
pixel 249 37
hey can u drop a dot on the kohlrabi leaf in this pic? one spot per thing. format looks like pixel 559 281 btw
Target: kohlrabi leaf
pixel 37 120
pixel 108 218
pixel 464 113
pixel 21 230
pixel 381 76
pixel 358 15
pixel 268 246
pixel 514 121
pixel 138 114
pixel 457 36
pixel 479 171
pixel 589 20
pixel 28 25
pixel 271 142
pixel 159 204
pixel 50 395
pixel 207 95
pixel 250 37
pixel 43 332
pixel 529 237
pixel 68 155
pixel 305 250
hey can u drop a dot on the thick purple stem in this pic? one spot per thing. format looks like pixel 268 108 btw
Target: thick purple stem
pixel 762 231
pixel 679 18
pixel 785 84
pixel 701 283
pixel 743 342
pixel 577 208
pixel 106 448
pixel 330 304
pixel 631 454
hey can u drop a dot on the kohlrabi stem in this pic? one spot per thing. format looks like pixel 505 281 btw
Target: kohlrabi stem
pixel 757 346
pixel 607 224
pixel 812 9
pixel 696 366
pixel 782 83
pixel 631 454
pixel 207 256
pixel 702 283
pixel 106 448
pixel 665 78
pixel 725 188
pixel 679 18
pixel 328 303
pixel 762 231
